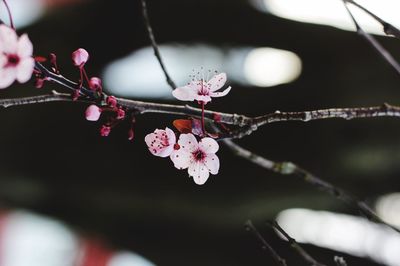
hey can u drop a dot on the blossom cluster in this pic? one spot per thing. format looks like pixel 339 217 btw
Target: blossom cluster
pixel 194 149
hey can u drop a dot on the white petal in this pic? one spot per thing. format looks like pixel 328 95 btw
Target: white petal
pixel 217 82
pixel 25 69
pixel 199 172
pixel 8 40
pixel 222 93
pixel 181 158
pixel 188 142
pixel 212 163
pixel 171 136
pixel 185 93
pixel 203 98
pixel 25 47
pixel 208 145
pixel 7 77
pixel 165 152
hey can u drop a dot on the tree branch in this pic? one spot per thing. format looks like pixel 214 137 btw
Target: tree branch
pixel 278 259
pixel 157 53
pixel 295 246
pixel 288 168
pixel 371 40
pixel 388 28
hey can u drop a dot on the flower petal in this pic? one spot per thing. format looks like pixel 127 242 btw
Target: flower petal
pixel 220 94
pixel 212 163
pixel 171 136
pixel 185 93
pixel 159 143
pixel 188 142
pixel 92 113
pixel 7 77
pixel 181 158
pixel 216 82
pixel 199 172
pixel 208 145
pixel 203 98
pixel 25 47
pixel 25 69
pixel 8 40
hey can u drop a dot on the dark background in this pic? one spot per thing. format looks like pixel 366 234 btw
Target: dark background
pixel 52 161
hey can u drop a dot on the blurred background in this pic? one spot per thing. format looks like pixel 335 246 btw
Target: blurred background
pixel 66 192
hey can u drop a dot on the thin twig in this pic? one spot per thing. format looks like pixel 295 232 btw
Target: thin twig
pixel 388 28
pixel 278 259
pixel 149 29
pixel 288 168
pixel 295 246
pixel 371 40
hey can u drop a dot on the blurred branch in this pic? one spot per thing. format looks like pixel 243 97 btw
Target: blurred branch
pixel 278 259
pixel 295 246
pixel 370 39
pixel 288 168
pixel 340 261
pixel 157 53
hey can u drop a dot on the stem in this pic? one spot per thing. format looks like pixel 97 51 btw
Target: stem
pixel 289 168
pixel 295 246
pixel 278 259
pixel 9 14
pixel 203 126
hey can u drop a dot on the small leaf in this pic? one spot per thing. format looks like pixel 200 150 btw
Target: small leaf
pixel 183 125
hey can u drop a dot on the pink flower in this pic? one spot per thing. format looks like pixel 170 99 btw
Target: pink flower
pixel 161 143
pixel 16 61
pixel 111 101
pixel 201 90
pixel 198 157
pixel 93 113
pixel 80 57
pixel 95 84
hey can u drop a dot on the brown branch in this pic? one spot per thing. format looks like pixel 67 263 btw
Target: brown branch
pixel 157 53
pixel 371 40
pixel 288 168
pixel 278 259
pixel 295 246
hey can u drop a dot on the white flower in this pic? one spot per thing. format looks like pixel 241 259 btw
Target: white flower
pixel 198 157
pixel 201 90
pixel 161 143
pixel 16 62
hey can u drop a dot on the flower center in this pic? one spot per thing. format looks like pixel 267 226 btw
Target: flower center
pixel 204 90
pixel 199 155
pixel 12 60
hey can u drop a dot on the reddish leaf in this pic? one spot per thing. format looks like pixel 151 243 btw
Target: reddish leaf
pixel 183 125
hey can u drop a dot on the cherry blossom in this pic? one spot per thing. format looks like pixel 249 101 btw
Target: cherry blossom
pixel 198 157
pixel 161 143
pixel 105 130
pixel 16 61
pixel 202 91
pixel 93 113
pixel 80 57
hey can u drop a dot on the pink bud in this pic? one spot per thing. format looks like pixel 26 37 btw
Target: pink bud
pixel 80 57
pixel 111 101
pixel 105 130
pixel 120 114
pixel 93 113
pixel 95 84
